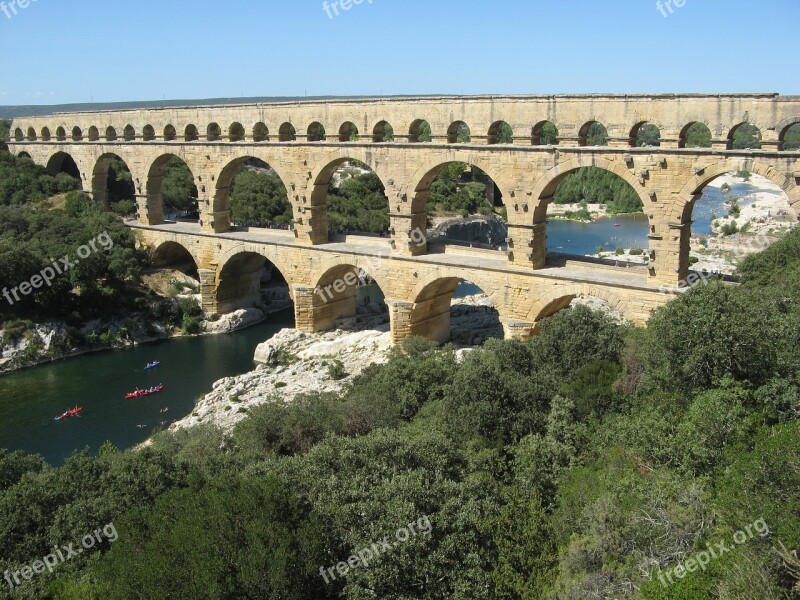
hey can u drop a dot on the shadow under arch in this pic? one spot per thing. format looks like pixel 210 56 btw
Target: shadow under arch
pixel 562 297
pixel 156 172
pixel 251 277
pixel 348 295
pixel 177 256
pixel 101 188
pixel 63 162
pixel 435 311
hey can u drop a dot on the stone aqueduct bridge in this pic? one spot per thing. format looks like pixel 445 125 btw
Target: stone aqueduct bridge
pixel 419 280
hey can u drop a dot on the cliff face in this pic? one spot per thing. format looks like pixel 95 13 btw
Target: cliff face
pixel 476 229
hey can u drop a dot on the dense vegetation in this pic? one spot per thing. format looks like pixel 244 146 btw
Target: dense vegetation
pixel 595 185
pixel 359 203
pixel 258 197
pixel 584 463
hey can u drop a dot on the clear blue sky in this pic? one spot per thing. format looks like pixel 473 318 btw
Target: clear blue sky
pixel 57 51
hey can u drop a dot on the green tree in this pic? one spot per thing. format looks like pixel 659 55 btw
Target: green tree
pixel 698 135
pixel 259 197
pixel 746 136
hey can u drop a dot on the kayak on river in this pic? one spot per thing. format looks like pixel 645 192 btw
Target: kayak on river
pixel 152 365
pixel 72 412
pixel 141 393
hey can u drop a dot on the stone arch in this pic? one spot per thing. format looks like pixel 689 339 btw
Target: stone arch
pixel 238 275
pixel 61 134
pixel 561 297
pixel 224 181
pixel 682 140
pixel 236 132
pixel 63 162
pixel 783 128
pixel 348 132
pixel 148 133
pixel 93 134
pixel 736 128
pixel 316 132
pixel 111 134
pixel 260 132
pixel 421 180
pixel 129 133
pixel 19 135
pixel 154 187
pixel 383 132
pixel 539 133
pixel 190 133
pixel 100 174
pixel 45 134
pixel 24 154
pixel 417 130
pixel 432 299
pixel 170 135
pixel 336 284
pixel 498 131
pixel 77 134
pixel 641 126
pixel 458 130
pixel 176 255
pixel 585 132
pixel 546 186
pixel 31 134
pixel 287 133
pixel 213 132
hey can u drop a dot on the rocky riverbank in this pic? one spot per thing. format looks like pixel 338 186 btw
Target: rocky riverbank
pixel 293 363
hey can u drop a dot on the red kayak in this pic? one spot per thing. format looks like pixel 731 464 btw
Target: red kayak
pixel 143 393
pixel 72 412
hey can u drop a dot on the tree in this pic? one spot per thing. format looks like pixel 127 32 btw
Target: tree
pixel 259 197
pixel 746 136
pixel 698 136
pixel 648 136
pixel 178 188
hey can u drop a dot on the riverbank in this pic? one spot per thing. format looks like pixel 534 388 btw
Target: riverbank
pixel 293 363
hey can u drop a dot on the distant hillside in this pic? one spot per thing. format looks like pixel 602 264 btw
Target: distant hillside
pixel 11 112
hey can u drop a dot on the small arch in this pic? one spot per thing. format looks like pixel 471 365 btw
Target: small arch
pixel 348 132
pixel 287 133
pixel 45 134
pixel 25 155
pixel 148 133
pixel 695 135
pixel 129 133
pixel 19 135
pixel 419 132
pixel 501 133
pixel 744 136
pixel 31 134
pixel 61 134
pixel 170 134
pixel 645 135
pixel 190 134
pixel 382 133
pixel 111 134
pixel 593 133
pixel 236 132
pixel 544 133
pixel 77 134
pixel 790 137
pixel 94 134
pixel 316 132
pixel 213 132
pixel 260 132
pixel 458 133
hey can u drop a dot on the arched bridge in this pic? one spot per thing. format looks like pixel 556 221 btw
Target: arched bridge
pixel 406 142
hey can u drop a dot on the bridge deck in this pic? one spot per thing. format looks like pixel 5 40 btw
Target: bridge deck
pixel 631 276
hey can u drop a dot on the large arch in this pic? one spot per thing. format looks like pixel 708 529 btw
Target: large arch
pixel 62 162
pixel 177 256
pixel 100 177
pixel 155 187
pixel 560 298
pixel 240 272
pixel 336 293
pixel 224 181
pixel 432 309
